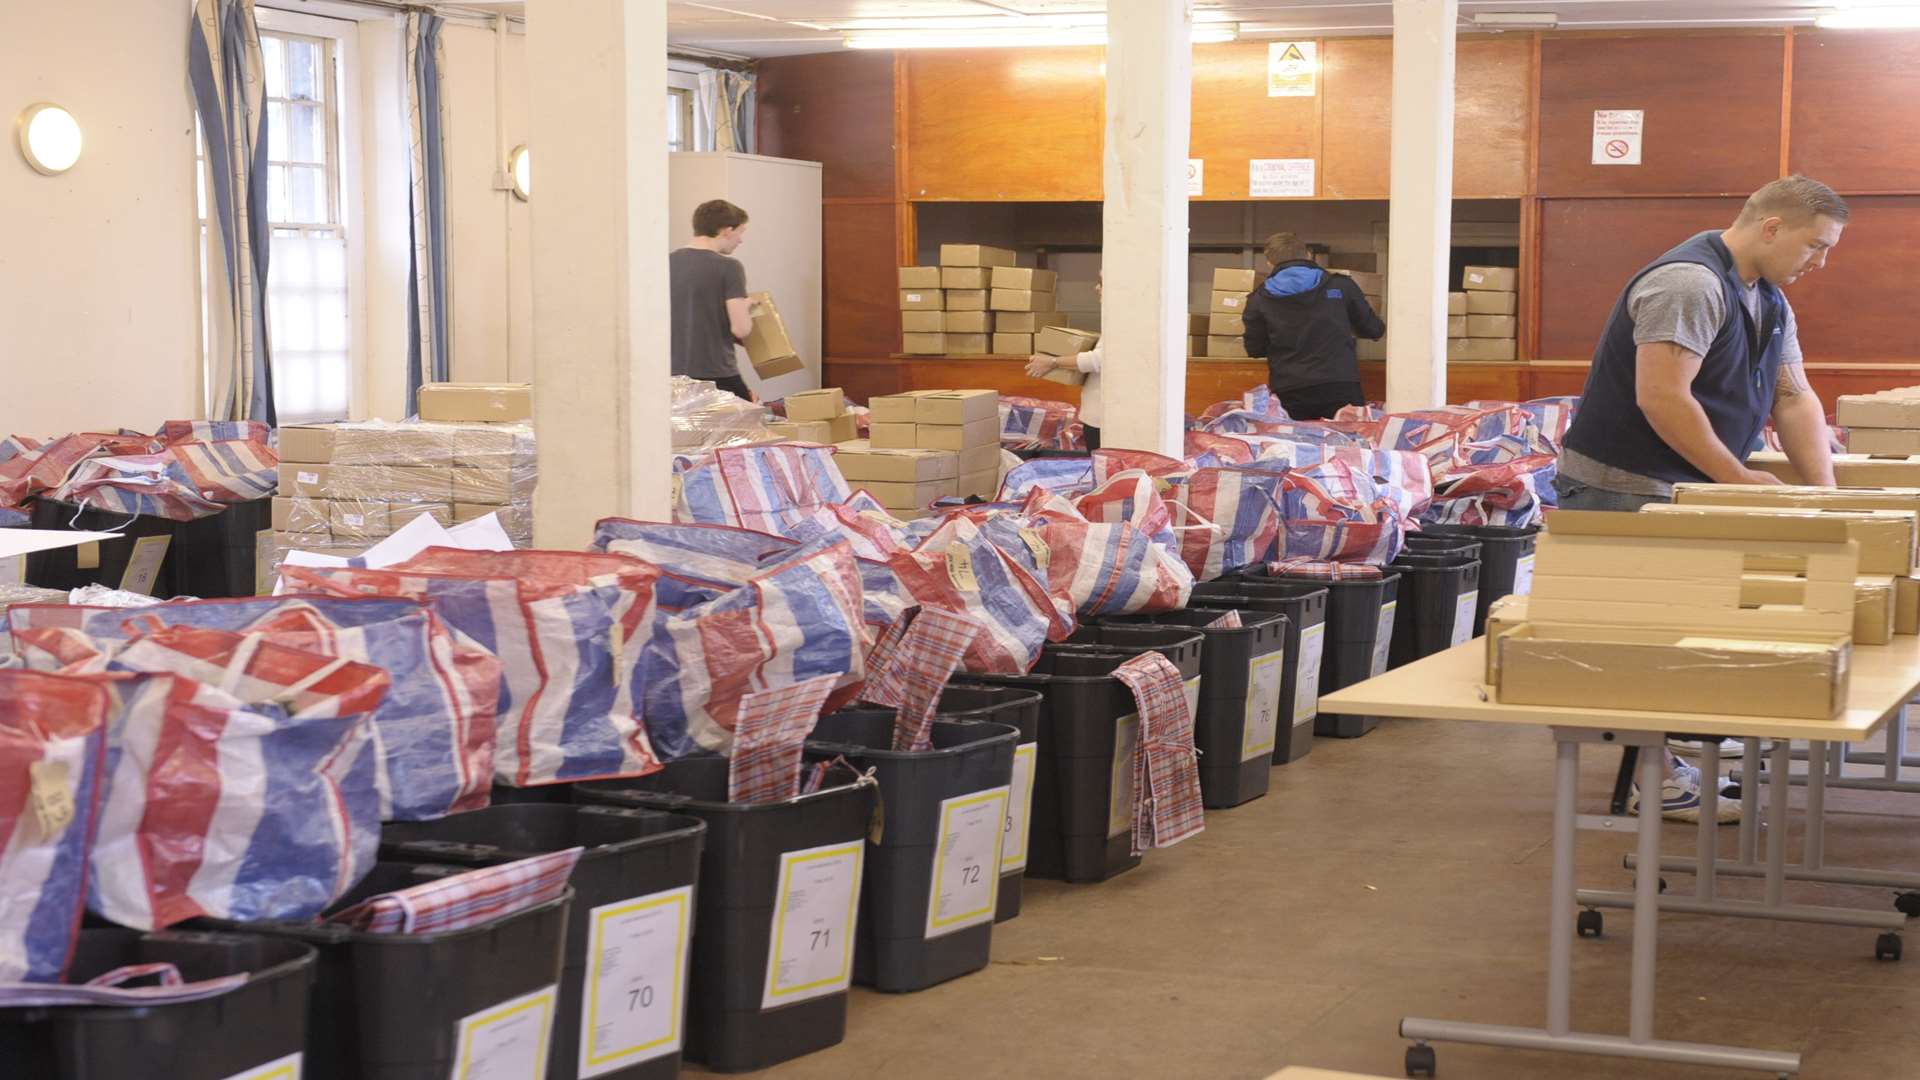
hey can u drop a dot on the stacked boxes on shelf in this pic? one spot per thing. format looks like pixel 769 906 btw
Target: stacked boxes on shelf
pixel 1197 326
pixel 1225 323
pixel 1456 319
pixel 964 424
pixel 923 311
pixel 817 416
pixel 1492 313
pixel 1886 424
pixel 966 275
pixel 1020 291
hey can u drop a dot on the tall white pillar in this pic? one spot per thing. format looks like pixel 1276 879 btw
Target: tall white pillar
pixel 597 73
pixel 1143 318
pixel 1420 218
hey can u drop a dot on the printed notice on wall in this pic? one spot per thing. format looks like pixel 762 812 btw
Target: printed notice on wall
pixel 966 866
pixel 1196 177
pixel 1616 136
pixel 1293 68
pixel 637 952
pixel 811 951
pixel 1280 178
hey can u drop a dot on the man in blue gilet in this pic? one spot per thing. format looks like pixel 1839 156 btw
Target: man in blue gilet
pixel 1699 352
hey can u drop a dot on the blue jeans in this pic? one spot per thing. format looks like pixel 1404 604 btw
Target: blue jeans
pixel 1575 495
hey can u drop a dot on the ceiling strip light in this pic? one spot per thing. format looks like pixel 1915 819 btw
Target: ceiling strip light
pixel 1000 39
pixel 1889 17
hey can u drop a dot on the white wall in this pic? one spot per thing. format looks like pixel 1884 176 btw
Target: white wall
pixel 98 307
pixel 489 281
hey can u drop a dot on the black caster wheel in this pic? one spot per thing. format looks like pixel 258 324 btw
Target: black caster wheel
pixel 1887 947
pixel 1420 1060
pixel 1588 924
pixel 1907 903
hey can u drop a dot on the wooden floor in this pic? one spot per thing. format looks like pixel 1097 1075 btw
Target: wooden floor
pixel 1402 873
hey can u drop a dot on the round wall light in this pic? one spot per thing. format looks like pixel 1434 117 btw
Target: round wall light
pixel 520 171
pixel 49 138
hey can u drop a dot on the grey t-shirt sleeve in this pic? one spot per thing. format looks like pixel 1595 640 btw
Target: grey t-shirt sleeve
pixel 1789 335
pixel 734 281
pixel 1680 302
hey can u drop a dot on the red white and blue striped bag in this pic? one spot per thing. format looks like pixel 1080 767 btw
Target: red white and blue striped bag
pixel 155 485
pixel 230 470
pixel 796 620
pixel 567 708
pixel 1505 494
pixel 1108 464
pixel 958 568
pixel 174 432
pixel 1030 423
pixel 1400 475
pixel 241 775
pixel 1236 520
pixel 765 487
pixel 1133 497
pixel 1064 475
pixel 1336 513
pixel 44 466
pixel 1095 568
pixel 53 740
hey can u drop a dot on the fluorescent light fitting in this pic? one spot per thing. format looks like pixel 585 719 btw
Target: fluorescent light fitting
pixel 1901 17
pixel 1515 20
pixel 1211 34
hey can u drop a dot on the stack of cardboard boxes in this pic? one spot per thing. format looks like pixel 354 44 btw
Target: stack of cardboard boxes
pixel 1022 302
pixel 1489 324
pixel 976 302
pixel 344 487
pixel 926 445
pixel 1225 323
pixel 817 416
pixel 923 311
pixel 1886 424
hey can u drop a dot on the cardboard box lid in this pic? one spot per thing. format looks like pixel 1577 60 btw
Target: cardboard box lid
pixel 1661 525
pixel 490 402
pixel 956 406
pixel 823 404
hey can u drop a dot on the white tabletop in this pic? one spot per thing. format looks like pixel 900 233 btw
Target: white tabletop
pixel 1447 686
pixel 1301 1072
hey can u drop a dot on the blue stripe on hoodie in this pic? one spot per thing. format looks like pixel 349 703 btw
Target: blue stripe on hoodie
pixel 1294 280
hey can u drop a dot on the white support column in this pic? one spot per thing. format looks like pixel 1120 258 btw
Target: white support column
pixel 1420 218
pixel 597 72
pixel 1143 318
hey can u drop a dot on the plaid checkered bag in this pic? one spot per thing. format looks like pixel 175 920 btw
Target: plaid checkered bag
pixel 460 901
pixel 799 619
pixel 1322 570
pixel 1238 515
pixel 771 731
pixel 436 725
pixel 175 432
pixel 910 673
pixel 1166 766
pixel 1028 423
pixel 52 763
pixel 958 568
pixel 241 775
pixel 567 706
pixel 1229 621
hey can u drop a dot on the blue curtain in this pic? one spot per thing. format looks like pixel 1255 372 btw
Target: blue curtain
pixel 228 77
pixel 428 347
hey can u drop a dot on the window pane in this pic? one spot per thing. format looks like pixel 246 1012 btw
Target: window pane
pixel 275 53
pixel 306 134
pixel 307 194
pixel 673 119
pixel 303 69
pixel 278 209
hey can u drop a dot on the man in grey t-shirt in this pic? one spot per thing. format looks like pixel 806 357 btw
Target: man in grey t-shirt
pixel 709 298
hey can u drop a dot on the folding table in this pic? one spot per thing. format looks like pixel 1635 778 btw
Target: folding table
pixel 1447 686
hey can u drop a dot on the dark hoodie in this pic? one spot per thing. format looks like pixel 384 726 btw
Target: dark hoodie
pixel 1303 320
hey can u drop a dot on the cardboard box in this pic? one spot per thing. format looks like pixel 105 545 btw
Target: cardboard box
pixel 300 514
pixel 497 444
pixel 1849 470
pixel 956 407
pixel 923 344
pixel 1229 303
pixel 1887 538
pixel 358 522
pixel 1906 605
pixel 923 322
pixel 966 299
pixel 966 277
pixel 311 444
pixel 370 444
pixel 1226 325
pixel 816 404
pixel 974 255
pixel 1672 670
pixel 969 322
pixel 394 483
pixel 894 408
pixel 1457 326
pixel 903 496
pixel 892 436
pixel 1902 442
pixel 1456 303
pixel 1891 498
pixel 1492 303
pixel 919 277
pixel 985 484
pixel 969 344
pixel 1481 348
pixel 1023 277
pixel 978 459
pixel 1887 409
pixel 1502 615
pixel 1872 601
pixel 1228 347
pixel 306 479
pixel 768 347
pixel 804 431
pixel 843 428
pixel 1025 322
pixel 958 436
pixel 489 403
pixel 1492 326
pixel 1490 278
pixel 1235 279
pixel 517 520
pixel 1013 344
pixel 489 487
pixel 861 462
pixel 1067 376
pixel 399 515
pixel 1370 284
pixel 1020 300
pixel 1063 341
pixel 923 300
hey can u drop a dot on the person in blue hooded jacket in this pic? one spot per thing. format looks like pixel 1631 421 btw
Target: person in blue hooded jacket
pixel 1304 319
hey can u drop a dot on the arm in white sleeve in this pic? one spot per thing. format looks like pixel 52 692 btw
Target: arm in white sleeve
pixel 1089 361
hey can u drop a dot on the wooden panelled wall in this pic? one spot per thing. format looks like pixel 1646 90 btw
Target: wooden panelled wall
pixel 1725 113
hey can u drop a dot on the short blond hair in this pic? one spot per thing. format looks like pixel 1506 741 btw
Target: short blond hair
pixel 1793 198
pixel 1285 246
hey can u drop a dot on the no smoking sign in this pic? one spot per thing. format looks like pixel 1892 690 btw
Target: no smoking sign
pixel 1616 136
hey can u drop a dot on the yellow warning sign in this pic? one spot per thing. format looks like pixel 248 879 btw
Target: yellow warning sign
pixel 1293 68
